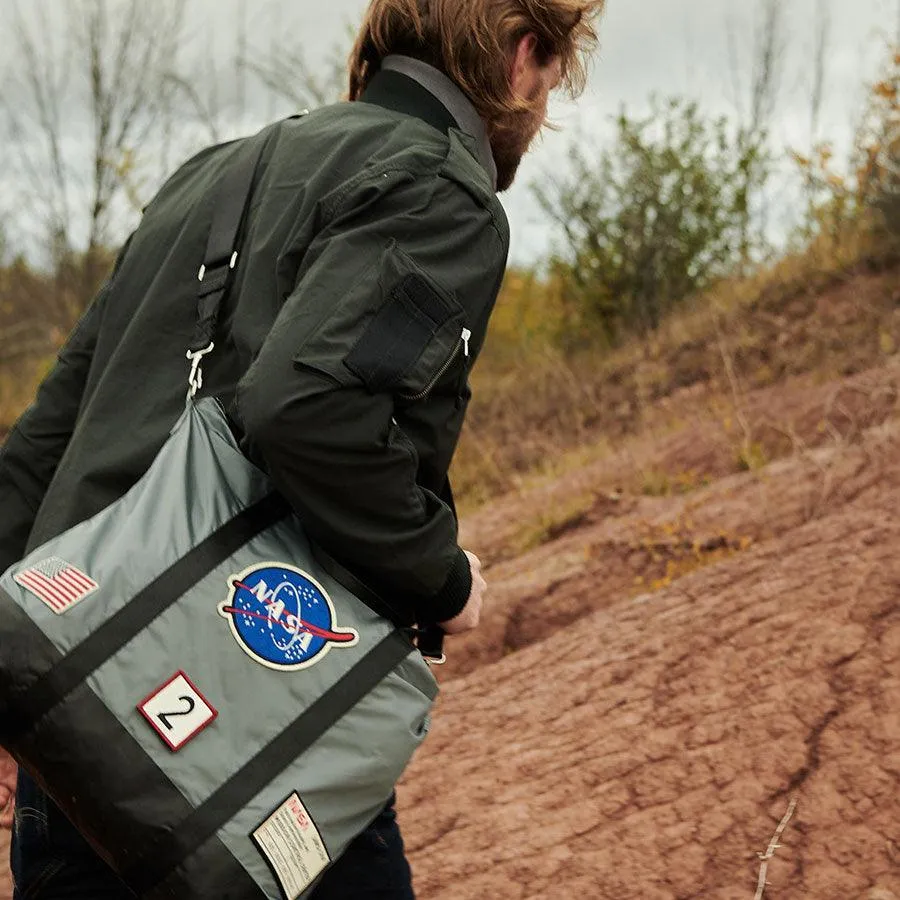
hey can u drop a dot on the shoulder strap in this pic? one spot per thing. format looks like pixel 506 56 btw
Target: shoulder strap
pixel 223 244
pixel 429 639
pixel 233 197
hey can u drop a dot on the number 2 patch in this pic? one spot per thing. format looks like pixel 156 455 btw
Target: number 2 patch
pixel 177 711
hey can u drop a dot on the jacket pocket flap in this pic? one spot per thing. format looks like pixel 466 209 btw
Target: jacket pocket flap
pixel 399 334
pixel 394 331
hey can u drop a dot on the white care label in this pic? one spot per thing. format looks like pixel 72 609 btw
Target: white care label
pixel 177 711
pixel 293 846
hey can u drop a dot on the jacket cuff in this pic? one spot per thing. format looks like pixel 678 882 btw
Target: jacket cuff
pixel 451 599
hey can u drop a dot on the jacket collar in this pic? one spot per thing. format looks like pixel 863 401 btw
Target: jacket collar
pixel 413 87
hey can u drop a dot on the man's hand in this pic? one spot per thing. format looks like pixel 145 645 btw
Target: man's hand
pixel 7 789
pixel 468 619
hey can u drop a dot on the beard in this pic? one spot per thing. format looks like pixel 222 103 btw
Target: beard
pixel 511 136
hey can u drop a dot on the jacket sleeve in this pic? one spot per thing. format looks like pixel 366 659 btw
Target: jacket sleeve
pixel 37 442
pixel 390 305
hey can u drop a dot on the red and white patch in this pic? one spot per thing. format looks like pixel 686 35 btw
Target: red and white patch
pixel 57 583
pixel 177 711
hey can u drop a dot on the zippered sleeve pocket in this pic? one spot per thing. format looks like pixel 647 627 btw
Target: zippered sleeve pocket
pixel 460 352
pixel 406 345
pixel 394 331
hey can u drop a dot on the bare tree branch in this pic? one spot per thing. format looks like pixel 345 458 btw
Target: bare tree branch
pixel 737 92
pixel 26 350
pixel 768 62
pixel 240 54
pixel 823 42
pixel 770 850
pixel 205 114
pixel 128 59
pixel 96 83
pixel 288 74
pixel 15 331
pixel 34 109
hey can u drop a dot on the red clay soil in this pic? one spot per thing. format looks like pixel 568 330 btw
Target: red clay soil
pixel 658 678
pixel 698 441
pixel 619 542
pixel 649 749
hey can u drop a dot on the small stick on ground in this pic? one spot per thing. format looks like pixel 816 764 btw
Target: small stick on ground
pixel 770 850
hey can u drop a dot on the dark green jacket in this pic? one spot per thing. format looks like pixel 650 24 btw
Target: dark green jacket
pixel 374 251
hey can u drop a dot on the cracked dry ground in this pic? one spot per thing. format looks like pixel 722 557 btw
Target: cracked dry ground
pixel 648 748
pixel 599 741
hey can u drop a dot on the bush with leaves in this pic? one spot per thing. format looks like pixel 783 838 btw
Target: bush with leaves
pixel 878 148
pixel 864 196
pixel 658 216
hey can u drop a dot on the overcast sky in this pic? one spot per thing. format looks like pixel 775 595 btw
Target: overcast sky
pixel 679 47
pixel 662 46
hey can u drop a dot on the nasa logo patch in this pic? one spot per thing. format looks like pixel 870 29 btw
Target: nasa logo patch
pixel 282 617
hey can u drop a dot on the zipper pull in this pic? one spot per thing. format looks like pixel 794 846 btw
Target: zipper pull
pixel 466 337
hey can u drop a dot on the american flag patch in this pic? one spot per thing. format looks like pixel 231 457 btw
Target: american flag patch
pixel 56 582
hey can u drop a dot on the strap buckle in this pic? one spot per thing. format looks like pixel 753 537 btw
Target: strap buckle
pixel 195 379
pixel 430 644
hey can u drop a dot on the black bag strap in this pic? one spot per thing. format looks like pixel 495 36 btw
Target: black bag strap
pixel 233 198
pixel 429 639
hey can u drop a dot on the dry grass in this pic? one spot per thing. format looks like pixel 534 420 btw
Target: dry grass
pixel 673 549
pixel 831 310
pixel 552 522
pixel 17 386
pixel 539 411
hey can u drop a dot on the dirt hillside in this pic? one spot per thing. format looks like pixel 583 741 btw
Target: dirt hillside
pixel 662 676
pixel 682 643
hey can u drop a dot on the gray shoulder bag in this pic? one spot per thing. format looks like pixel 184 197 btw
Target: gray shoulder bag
pixel 216 706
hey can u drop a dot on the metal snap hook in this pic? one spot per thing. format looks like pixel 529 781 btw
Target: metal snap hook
pixel 195 379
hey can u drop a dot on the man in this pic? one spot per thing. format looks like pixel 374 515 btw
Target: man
pixel 373 255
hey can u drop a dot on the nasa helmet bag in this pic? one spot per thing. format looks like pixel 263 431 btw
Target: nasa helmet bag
pixel 205 695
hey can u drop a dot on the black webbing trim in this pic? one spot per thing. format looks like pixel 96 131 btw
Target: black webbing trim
pixel 55 685
pixel 171 849
pixel 232 197
pixel 214 282
pixel 103 808
pixel 359 589
pixel 430 639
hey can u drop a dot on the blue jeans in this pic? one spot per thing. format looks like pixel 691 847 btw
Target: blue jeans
pixel 51 861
